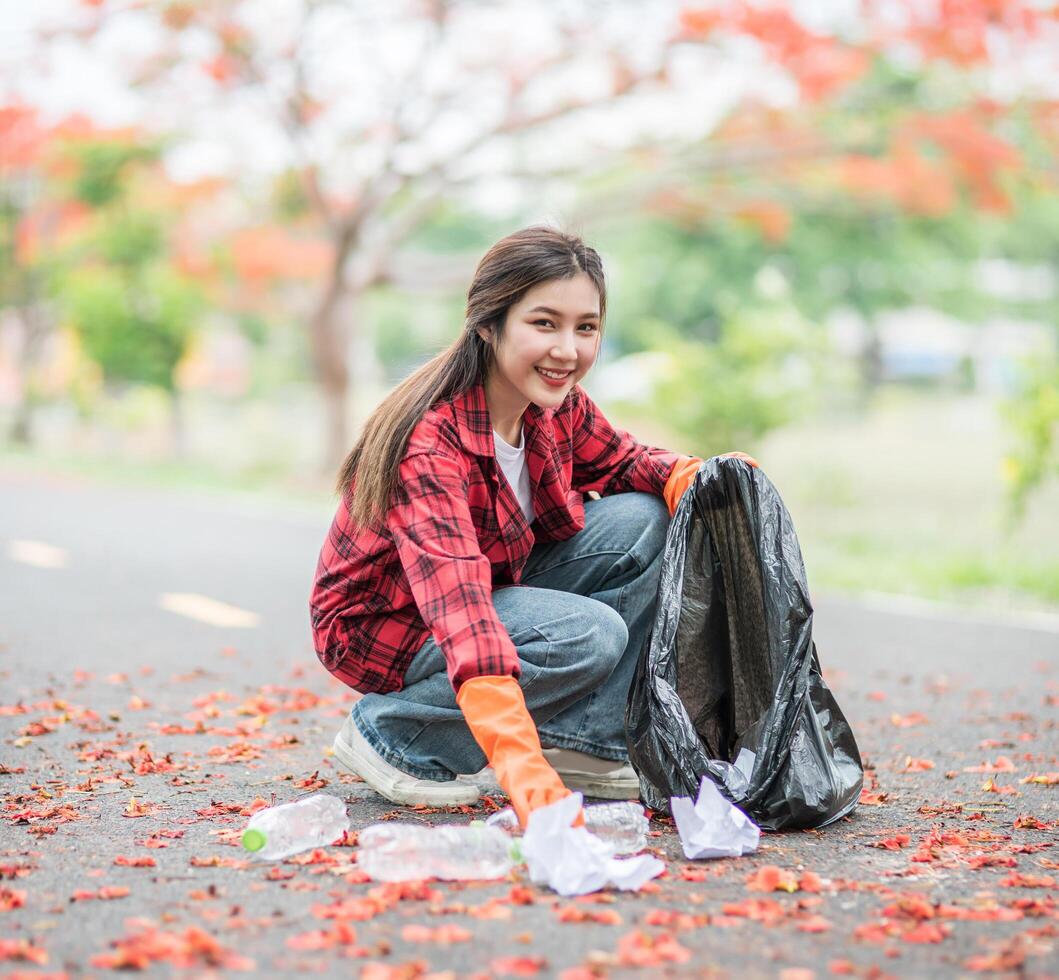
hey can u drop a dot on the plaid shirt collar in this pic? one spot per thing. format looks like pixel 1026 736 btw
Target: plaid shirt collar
pixel 476 428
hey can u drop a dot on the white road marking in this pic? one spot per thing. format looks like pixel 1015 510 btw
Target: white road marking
pixel 38 553
pixel 207 610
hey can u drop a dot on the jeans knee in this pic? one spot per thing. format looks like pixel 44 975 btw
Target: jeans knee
pixel 612 637
pixel 652 516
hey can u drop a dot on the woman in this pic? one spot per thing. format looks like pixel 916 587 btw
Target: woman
pixel 466 587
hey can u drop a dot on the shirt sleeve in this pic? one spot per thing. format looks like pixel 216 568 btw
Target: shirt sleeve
pixel 610 460
pixel 449 577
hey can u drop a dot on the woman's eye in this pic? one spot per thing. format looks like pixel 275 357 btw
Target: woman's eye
pixel 591 326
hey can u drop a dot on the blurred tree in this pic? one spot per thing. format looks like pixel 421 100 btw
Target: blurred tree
pixel 915 148
pixel 132 309
pixel 857 169
pixel 765 368
pixel 35 222
pixel 378 144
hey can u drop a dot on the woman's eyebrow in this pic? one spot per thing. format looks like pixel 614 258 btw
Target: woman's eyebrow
pixel 548 309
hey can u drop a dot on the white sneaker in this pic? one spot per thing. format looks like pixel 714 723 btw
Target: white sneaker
pixel 603 779
pixel 485 780
pixel 354 752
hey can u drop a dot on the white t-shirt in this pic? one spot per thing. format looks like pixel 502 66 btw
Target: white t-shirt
pixel 513 463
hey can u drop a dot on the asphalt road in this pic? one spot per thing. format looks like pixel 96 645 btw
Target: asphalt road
pixel 129 614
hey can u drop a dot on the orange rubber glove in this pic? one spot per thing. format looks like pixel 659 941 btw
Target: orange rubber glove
pixel 683 475
pixel 496 713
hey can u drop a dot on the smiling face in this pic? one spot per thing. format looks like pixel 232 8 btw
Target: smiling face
pixel 550 340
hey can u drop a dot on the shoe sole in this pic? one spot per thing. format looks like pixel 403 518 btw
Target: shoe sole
pixel 381 782
pixel 601 788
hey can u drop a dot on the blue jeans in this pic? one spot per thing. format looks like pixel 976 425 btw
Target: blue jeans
pixel 578 620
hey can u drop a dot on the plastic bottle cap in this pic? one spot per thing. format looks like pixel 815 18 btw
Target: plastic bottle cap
pixel 254 839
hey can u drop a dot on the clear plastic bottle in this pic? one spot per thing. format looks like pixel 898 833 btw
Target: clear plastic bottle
pixel 281 831
pixel 621 824
pixel 400 852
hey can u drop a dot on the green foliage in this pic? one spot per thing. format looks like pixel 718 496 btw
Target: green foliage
pixel 763 371
pixel 132 239
pixel 452 228
pixel 289 198
pixel 407 330
pixel 692 280
pixel 254 327
pixel 138 329
pixel 1032 417
pixel 102 169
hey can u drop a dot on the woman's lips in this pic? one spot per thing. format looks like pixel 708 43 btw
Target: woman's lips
pixel 554 382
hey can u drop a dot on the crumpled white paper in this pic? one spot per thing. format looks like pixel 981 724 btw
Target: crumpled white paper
pixel 572 861
pixel 713 827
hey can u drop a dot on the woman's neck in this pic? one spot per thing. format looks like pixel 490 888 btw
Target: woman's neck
pixel 505 412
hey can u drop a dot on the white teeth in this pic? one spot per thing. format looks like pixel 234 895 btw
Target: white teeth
pixel 553 375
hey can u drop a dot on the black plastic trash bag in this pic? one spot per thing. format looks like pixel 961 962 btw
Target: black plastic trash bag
pixel 728 684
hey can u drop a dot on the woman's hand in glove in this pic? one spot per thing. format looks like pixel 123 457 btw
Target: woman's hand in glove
pixel 496 713
pixel 743 456
pixel 683 475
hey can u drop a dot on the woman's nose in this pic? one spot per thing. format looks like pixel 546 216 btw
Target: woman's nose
pixel 565 350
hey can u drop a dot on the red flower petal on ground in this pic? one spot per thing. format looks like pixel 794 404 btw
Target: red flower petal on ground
pixel 147 944
pixel 105 893
pixel 765 910
pixel 580 973
pixel 11 898
pixel 894 843
pixel 443 935
pixel 399 971
pixel 1002 764
pixel 672 919
pixel 574 913
pixel 1017 880
pixel 315 781
pixel 873 932
pixel 992 861
pixel 770 878
pixel 991 786
pixel 22 949
pixel 909 720
pixel 1025 821
pixel 925 932
pixel 810 881
pixel 917 765
pixel 521 895
pixel 518 966
pixel 1044 779
pixel 815 923
pixel 137 809
pixel 910 907
pixel 342 934
pixel 637 948
pixel 139 861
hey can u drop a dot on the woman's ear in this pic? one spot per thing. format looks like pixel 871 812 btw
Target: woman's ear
pixel 486 333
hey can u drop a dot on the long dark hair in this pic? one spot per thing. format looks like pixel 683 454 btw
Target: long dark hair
pixel 512 267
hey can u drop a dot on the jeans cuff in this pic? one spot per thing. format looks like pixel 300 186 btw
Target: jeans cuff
pixel 398 762
pixel 561 741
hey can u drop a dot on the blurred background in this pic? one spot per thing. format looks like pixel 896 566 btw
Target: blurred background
pixel 830 230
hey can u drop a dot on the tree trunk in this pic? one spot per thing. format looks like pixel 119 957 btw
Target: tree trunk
pixel 329 338
pixel 871 365
pixel 177 426
pixel 34 332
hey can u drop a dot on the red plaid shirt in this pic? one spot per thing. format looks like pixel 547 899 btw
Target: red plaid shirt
pixel 454 530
